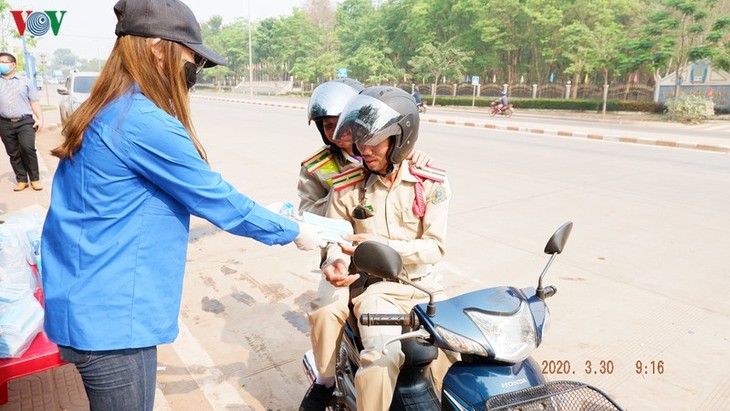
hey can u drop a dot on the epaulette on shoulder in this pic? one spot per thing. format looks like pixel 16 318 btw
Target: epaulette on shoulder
pixel 348 178
pixel 318 159
pixel 430 172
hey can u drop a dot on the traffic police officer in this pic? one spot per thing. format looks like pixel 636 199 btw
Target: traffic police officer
pixel 329 310
pixel 390 201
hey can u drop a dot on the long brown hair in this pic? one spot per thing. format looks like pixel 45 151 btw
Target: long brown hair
pixel 132 61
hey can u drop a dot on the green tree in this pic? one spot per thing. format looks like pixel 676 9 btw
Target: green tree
pixel 684 26
pixel 437 60
pixel 365 42
pixel 65 58
pixel 594 37
pixel 503 26
pixel 293 41
pixel 542 38
pixel 579 49
pixel 231 42
pixel 394 40
pixel 4 7
pixel 717 45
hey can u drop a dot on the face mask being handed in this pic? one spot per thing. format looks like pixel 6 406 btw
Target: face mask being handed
pixel 191 74
pixel 4 68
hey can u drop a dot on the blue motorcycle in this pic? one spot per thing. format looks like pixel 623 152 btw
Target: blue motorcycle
pixel 493 330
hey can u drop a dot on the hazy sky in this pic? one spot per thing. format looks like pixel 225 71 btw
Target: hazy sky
pixel 88 25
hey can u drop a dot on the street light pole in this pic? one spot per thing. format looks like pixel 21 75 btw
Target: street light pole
pixel 29 64
pixel 250 57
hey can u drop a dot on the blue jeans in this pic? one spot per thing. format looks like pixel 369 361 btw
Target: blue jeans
pixel 118 380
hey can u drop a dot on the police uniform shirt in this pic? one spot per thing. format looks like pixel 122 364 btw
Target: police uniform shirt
pixel 391 213
pixel 315 178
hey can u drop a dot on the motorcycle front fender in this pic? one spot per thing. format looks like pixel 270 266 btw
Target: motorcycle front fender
pixel 468 385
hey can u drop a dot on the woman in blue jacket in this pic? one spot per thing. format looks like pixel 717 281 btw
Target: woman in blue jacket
pixel 131 173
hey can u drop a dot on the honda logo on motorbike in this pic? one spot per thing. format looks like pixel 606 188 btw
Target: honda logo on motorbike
pixel 510 384
pixel 37 23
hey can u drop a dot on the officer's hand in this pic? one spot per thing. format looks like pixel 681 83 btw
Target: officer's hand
pixel 337 275
pixel 419 158
pixel 308 238
pixel 357 239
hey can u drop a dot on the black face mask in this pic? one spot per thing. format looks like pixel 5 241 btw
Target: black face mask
pixel 191 74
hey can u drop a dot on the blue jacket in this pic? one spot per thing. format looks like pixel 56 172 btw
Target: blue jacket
pixel 115 238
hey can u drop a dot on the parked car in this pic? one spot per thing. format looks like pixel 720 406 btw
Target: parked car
pixel 75 91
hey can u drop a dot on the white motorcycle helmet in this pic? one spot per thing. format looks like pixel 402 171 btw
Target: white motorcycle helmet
pixel 328 100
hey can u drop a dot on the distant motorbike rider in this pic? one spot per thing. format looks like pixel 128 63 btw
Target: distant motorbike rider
pixel 502 104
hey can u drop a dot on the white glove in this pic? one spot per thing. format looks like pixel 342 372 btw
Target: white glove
pixel 308 238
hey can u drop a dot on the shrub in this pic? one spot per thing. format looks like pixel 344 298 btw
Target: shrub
pixel 631 105
pixel 687 108
pixel 554 104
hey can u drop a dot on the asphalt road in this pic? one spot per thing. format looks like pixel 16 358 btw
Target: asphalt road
pixel 641 280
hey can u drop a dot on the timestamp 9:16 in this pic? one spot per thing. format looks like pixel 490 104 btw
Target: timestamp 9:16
pixel 651 367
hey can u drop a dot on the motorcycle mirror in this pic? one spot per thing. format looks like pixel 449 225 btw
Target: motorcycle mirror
pixel 557 241
pixel 378 259
pixel 554 246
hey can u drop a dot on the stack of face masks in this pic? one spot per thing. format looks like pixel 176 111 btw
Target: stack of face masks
pixel 21 319
pixel 21 315
pixel 16 255
pixel 27 223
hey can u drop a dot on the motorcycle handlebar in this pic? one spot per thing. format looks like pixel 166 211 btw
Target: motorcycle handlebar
pixel 408 320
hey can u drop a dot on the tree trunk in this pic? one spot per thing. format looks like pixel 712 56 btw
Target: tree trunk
pixel 435 87
pixel 576 79
pixel 657 84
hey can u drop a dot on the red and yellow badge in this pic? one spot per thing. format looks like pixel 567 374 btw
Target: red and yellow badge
pixel 348 179
pixel 318 159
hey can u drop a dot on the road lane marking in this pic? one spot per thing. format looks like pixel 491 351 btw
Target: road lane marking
pixel 212 382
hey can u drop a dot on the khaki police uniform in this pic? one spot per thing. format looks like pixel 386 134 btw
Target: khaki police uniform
pixel 314 186
pixel 315 178
pixel 412 215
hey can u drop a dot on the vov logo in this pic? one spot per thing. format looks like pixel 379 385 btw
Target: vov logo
pixel 37 23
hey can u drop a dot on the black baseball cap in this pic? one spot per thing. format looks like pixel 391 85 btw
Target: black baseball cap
pixel 166 19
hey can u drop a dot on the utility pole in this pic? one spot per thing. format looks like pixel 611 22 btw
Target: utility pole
pixel 250 56
pixel 29 64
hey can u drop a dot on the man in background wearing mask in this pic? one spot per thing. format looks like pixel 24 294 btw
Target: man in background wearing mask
pixel 18 103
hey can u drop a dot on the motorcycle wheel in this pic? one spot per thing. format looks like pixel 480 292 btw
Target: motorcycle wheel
pixel 493 113
pixel 508 112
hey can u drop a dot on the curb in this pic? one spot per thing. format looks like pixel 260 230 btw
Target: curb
pixel 590 136
pixel 557 133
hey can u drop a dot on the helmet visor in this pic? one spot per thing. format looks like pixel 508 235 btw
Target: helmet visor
pixel 367 121
pixel 328 100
